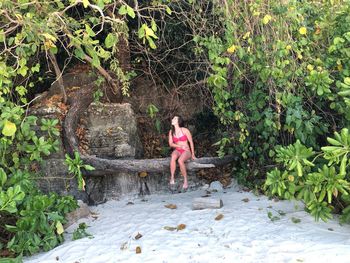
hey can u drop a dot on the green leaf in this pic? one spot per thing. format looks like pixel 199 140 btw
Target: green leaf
pixel 141 32
pixel 347 81
pixel 122 10
pixel 21 90
pixel 151 43
pixel 344 93
pixel 36 68
pixel 149 32
pixel 110 40
pixel 9 128
pixel 299 169
pixel 333 142
pixel 343 165
pixel 86 3
pixel 79 53
pixel 168 10
pixel 59 228
pixel 130 11
pixel 154 25
pixel 95 61
pixel 2 35
pixel 89 167
pixel 3 177
pixel 23 70
pixel 89 30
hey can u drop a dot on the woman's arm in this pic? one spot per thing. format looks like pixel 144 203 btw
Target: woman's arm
pixel 171 143
pixel 189 136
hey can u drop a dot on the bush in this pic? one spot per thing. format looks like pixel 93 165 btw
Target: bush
pixel 31 220
pixel 279 73
pixel 322 183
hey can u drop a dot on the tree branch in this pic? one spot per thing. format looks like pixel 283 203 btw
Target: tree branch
pixel 59 78
pixel 106 75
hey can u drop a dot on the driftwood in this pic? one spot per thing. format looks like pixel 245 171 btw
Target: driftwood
pixel 204 203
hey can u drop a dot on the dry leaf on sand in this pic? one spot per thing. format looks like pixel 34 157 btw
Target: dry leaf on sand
pixel 181 227
pixel 219 217
pixel 138 236
pixel 171 206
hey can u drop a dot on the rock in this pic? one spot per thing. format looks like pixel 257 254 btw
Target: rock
pixel 124 150
pixel 56 179
pixel 112 131
pixel 205 187
pixel 81 212
pixel 96 190
pixel 234 185
pixel 215 186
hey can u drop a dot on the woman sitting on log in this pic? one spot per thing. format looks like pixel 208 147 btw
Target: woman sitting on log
pixel 180 138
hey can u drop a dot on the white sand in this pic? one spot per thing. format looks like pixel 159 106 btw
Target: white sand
pixel 245 234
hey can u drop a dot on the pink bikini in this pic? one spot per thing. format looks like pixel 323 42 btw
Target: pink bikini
pixel 182 138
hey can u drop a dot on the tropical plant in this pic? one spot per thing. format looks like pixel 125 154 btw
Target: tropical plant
pixel 75 167
pixel 31 220
pixel 320 190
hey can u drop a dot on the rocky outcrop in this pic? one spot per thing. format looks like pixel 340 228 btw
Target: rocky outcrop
pixel 111 131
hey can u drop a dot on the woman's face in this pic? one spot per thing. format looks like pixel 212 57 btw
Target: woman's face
pixel 175 121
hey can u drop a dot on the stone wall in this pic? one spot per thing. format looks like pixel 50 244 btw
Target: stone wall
pixel 110 132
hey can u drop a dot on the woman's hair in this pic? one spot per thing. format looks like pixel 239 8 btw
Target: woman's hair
pixel 180 120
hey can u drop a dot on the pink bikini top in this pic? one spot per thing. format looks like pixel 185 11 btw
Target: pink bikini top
pixel 182 138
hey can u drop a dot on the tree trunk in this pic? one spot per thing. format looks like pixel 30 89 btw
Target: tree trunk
pixel 79 101
pixel 106 166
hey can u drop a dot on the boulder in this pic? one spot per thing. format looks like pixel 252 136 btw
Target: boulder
pixel 81 212
pixel 111 131
pixel 215 186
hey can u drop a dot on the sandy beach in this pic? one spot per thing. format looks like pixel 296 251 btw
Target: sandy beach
pixel 245 233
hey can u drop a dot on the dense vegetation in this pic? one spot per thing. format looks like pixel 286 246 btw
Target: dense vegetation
pixel 276 75
pixel 280 76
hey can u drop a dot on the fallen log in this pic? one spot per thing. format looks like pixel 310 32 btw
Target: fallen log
pixel 106 166
pixel 204 203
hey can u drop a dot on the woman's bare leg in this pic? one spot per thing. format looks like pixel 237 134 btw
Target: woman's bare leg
pixel 182 159
pixel 174 157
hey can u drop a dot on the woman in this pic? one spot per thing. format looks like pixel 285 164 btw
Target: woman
pixel 180 138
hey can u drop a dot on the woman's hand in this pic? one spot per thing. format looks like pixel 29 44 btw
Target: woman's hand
pixel 193 157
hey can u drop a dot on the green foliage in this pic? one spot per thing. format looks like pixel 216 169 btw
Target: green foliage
pixel 295 156
pixel 125 9
pixel 81 29
pixel 98 94
pixel 296 220
pixel 18 259
pixel 146 33
pixel 32 220
pixel 317 188
pixel 80 232
pixel 40 224
pixel 153 111
pixel 279 73
pixel 75 167
pixel 272 217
